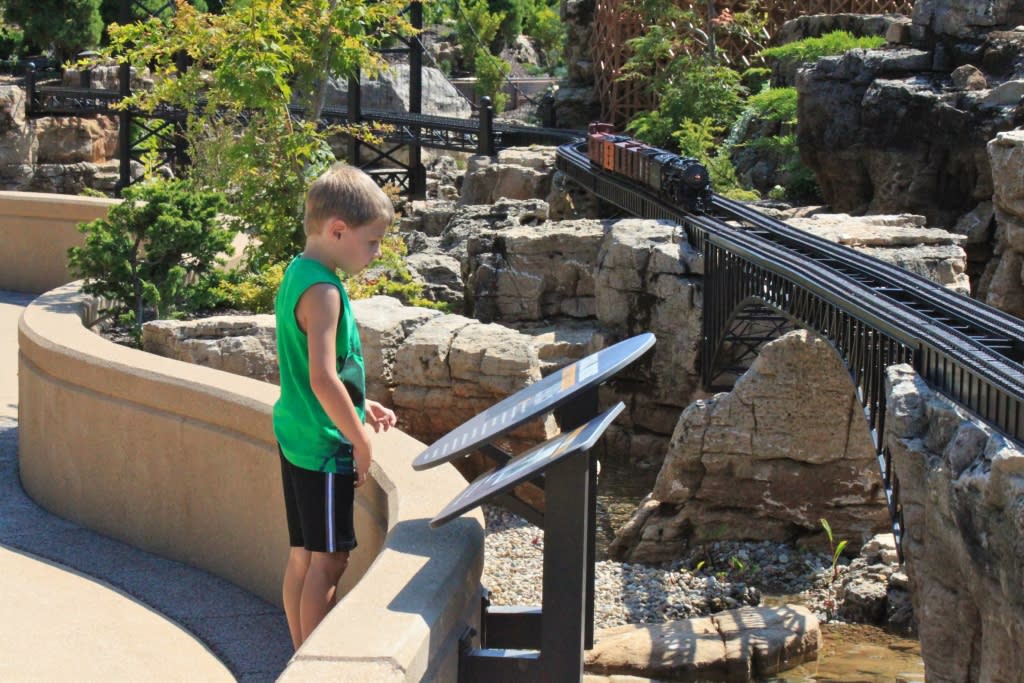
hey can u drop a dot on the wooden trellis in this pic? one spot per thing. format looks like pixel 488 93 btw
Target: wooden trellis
pixel 615 23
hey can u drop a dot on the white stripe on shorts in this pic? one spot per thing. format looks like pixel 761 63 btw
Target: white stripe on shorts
pixel 329 497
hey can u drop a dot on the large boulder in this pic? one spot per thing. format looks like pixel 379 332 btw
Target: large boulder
pixel 534 272
pixel 902 240
pixel 884 133
pixel 18 144
pixel 1004 286
pixel 516 173
pixel 70 140
pixel 965 18
pixel 389 91
pixel 733 460
pixel 962 496
pixel 243 345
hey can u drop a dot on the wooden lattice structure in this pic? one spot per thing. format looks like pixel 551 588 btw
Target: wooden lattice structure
pixel 615 23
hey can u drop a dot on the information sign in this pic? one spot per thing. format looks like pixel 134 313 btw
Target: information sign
pixel 553 391
pixel 528 465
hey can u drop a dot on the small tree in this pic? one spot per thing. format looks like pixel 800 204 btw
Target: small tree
pixel 248 65
pixel 155 254
pixel 64 26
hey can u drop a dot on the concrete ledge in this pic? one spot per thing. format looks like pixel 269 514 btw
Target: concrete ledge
pixel 37 229
pixel 180 460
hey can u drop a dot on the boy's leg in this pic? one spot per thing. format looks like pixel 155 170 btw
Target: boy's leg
pixel 298 557
pixel 291 592
pixel 324 506
pixel 318 590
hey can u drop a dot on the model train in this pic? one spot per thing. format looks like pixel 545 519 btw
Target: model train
pixel 682 181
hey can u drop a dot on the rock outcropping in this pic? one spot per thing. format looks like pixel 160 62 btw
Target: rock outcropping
pixel 962 493
pixel 785 448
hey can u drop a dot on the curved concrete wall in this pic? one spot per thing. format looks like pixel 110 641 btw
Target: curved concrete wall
pixel 180 460
pixel 36 231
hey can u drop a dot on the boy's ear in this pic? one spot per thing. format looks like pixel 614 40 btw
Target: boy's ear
pixel 336 227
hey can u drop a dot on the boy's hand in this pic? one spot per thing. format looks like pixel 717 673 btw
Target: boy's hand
pixel 361 458
pixel 377 416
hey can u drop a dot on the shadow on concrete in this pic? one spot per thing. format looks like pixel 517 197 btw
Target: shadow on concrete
pixel 249 635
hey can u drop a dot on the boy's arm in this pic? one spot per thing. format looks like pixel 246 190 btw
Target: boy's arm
pixel 318 312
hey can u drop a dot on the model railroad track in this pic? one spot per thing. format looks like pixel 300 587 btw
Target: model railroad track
pixel 963 348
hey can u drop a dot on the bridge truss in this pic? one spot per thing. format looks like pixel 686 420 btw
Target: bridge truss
pixel 763 277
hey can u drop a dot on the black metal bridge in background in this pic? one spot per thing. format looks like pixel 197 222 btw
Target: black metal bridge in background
pixel 763 277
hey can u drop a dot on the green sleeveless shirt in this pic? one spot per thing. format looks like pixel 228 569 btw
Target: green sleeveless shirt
pixel 308 437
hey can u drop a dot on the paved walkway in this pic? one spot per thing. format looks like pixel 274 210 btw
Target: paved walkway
pixel 75 605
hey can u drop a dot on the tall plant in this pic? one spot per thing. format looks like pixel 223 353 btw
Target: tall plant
pixel 64 26
pixel 154 254
pixel 248 64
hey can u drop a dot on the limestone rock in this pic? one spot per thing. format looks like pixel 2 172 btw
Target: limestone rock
pixel 515 173
pixel 881 138
pixel 451 368
pixel 72 140
pixel 969 77
pixel 441 276
pixel 390 92
pixel 964 18
pixel 1006 154
pixel 732 460
pixel 384 323
pixel 962 531
pixel 533 272
pixel 18 144
pixel 737 645
pixel 243 345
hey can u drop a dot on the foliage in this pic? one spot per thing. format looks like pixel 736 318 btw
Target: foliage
pixel 390 276
pixel 476 28
pixel 255 292
pixel 12 41
pixel 248 64
pixel 755 78
pixel 836 549
pixel 513 16
pixel 545 26
pixel 65 26
pixel 700 139
pixel 780 105
pixel 491 73
pixel 812 49
pixel 155 253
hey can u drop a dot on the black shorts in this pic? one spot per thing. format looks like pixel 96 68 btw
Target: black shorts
pixel 318 506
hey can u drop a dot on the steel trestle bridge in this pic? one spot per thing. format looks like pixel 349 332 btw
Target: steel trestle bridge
pixel 763 277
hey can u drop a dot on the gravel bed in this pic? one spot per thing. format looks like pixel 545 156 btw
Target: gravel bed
pixel 717 576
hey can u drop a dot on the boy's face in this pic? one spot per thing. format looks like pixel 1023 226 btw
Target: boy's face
pixel 356 246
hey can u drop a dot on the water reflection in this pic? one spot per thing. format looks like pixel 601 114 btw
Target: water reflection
pixel 856 653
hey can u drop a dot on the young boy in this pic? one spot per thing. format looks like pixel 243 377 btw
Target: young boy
pixel 319 418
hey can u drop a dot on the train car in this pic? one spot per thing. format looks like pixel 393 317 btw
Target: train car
pixel 680 180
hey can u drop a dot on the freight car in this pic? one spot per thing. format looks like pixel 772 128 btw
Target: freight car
pixel 682 181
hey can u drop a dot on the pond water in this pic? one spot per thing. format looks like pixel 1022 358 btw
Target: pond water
pixel 857 653
pixel 850 653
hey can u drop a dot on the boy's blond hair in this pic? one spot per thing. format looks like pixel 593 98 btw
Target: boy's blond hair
pixel 347 193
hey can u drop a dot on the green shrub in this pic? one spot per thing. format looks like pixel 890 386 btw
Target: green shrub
pixel 812 49
pixel 155 254
pixel 775 104
pixel 755 78
pixel 64 26
pixel 248 291
pixel 388 275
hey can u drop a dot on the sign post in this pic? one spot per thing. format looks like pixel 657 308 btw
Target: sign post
pixel 545 644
